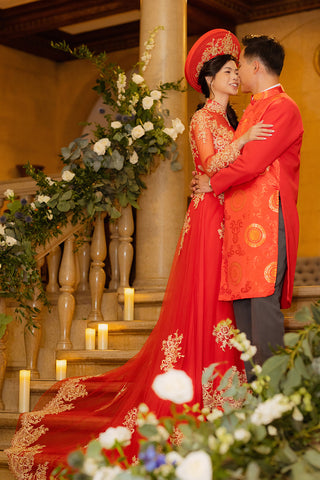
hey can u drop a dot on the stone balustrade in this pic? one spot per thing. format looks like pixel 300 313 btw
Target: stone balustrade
pixel 69 270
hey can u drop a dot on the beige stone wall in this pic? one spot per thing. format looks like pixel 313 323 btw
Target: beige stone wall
pixel 300 35
pixel 42 104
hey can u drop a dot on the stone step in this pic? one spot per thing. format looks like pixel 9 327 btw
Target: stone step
pixel 5 474
pixel 127 335
pixel 93 362
pixel 8 423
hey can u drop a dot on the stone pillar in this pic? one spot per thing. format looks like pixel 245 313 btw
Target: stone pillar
pixel 163 204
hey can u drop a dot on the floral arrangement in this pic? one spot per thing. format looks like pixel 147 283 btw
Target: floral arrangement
pixel 274 435
pixel 99 175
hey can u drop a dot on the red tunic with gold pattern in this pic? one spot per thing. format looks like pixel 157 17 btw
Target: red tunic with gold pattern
pixel 252 185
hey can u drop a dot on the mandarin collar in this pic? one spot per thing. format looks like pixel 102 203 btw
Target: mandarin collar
pixel 267 93
pixel 215 106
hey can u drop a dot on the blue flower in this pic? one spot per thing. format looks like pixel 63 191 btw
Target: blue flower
pixel 3 219
pixel 151 458
pixel 23 201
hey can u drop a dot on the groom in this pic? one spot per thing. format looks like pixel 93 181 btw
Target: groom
pixel 260 191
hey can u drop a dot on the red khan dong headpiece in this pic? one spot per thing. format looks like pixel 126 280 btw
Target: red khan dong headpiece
pixel 213 43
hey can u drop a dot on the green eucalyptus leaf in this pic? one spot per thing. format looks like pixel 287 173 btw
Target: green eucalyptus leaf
pixel 252 471
pixel 313 457
pixel 291 338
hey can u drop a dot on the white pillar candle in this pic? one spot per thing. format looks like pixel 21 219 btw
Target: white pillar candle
pixel 90 339
pixel 103 336
pixel 61 369
pixel 128 308
pixel 24 391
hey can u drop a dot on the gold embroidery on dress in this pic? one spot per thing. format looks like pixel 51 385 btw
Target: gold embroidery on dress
pixel 177 437
pixel 29 433
pixel 130 420
pixel 185 230
pixel 223 332
pixel 197 198
pixel 172 351
pixel 221 230
pixel 226 150
pixel 213 398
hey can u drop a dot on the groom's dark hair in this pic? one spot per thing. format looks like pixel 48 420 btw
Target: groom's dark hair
pixel 267 49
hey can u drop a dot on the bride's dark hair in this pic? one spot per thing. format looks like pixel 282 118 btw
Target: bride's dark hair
pixel 210 69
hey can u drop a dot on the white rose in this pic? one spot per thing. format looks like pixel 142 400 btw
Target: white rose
pixel 134 158
pixel 111 435
pixel 148 126
pixel 242 435
pixel 107 473
pixel 155 94
pixel 171 132
pixel 147 102
pixel 137 132
pixel 101 145
pixel 137 78
pixel 195 466
pixel 10 241
pixel 174 385
pixel 178 125
pixel 116 124
pixel 42 198
pixel 67 176
pixel 9 193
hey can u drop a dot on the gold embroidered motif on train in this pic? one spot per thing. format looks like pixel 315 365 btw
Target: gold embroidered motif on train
pixel 213 398
pixel 30 432
pixel 172 351
pixel 223 332
pixel 130 420
pixel 185 230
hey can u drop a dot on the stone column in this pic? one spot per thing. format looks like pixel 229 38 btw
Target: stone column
pixel 163 204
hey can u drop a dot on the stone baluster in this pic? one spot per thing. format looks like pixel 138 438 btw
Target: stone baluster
pixel 32 334
pixel 97 276
pixel 125 250
pixel 53 262
pixel 83 255
pixel 3 352
pixel 66 301
pixel 113 255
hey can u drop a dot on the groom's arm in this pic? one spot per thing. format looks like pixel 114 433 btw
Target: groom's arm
pixel 257 156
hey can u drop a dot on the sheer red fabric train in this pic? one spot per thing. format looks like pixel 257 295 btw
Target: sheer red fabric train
pixel 186 336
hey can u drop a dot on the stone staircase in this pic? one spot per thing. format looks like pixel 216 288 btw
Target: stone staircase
pixel 125 340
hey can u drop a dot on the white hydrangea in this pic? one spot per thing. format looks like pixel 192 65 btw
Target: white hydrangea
pixel 107 473
pixel 271 409
pixel 113 435
pixel 174 385
pixel 173 458
pixel 90 466
pixel 195 466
